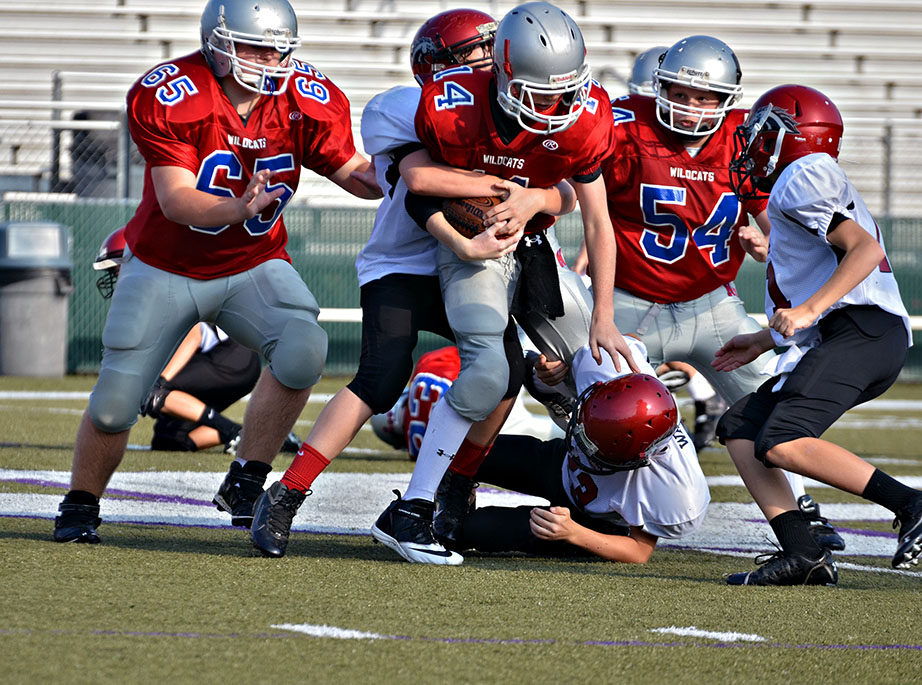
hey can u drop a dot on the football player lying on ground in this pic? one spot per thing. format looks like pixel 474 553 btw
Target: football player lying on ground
pixel 832 299
pixel 626 474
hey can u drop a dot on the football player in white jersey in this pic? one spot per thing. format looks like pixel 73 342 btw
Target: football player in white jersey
pixel 626 474
pixel 832 300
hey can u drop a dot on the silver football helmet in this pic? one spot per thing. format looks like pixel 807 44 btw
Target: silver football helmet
pixel 701 62
pixel 641 81
pixel 265 23
pixel 539 52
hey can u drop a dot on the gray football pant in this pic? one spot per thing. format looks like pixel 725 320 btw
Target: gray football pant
pixel 692 332
pixel 268 309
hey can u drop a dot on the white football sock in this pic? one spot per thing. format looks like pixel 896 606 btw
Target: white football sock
pixel 444 435
pixel 699 389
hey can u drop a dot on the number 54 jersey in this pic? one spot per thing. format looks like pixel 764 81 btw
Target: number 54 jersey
pixel 675 216
pixel 179 116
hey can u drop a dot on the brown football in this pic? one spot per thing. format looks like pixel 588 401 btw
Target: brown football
pixel 466 215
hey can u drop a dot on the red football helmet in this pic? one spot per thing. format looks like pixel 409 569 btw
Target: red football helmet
pixel 109 259
pixel 445 39
pixel 618 425
pixel 786 123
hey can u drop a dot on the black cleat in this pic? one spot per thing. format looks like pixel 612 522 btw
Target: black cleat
pixel 272 516
pixel 824 535
pixel 406 527
pixel 77 523
pixel 291 445
pixel 909 547
pixel 707 414
pixel 238 493
pixel 454 500
pixel 786 568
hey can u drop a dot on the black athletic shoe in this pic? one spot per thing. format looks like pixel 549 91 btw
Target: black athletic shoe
pixel 707 414
pixel 292 444
pixel 406 527
pixel 272 516
pixel 454 500
pixel 785 568
pixel 77 523
pixel 824 535
pixel 909 548
pixel 238 493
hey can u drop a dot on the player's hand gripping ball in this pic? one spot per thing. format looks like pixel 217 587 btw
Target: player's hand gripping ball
pixel 466 215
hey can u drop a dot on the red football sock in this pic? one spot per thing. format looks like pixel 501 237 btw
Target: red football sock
pixel 308 464
pixel 468 458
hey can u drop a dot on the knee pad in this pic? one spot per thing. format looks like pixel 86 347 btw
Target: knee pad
pixel 116 401
pixel 297 358
pixel 481 385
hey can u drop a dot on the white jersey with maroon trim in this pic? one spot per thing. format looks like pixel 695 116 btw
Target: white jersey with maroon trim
pixel 397 244
pixel 802 207
pixel 668 498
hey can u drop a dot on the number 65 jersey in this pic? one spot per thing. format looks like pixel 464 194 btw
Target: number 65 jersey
pixel 675 216
pixel 179 116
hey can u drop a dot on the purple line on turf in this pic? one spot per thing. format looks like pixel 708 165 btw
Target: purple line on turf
pixel 143 496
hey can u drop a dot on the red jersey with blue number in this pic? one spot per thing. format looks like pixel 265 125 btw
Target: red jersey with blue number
pixel 433 375
pixel 455 124
pixel 179 116
pixel 675 216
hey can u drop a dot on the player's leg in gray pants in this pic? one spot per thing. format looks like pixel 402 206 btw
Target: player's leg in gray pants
pixel 692 332
pixel 477 296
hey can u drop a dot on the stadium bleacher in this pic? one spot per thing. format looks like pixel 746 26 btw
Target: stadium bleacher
pixel 865 55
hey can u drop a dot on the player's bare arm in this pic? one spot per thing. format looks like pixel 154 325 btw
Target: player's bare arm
pixel 742 349
pixel 485 245
pixel 182 203
pixel 754 239
pixel 556 524
pixel 357 176
pixel 862 255
pixel 424 176
pixel 600 246
pixel 520 204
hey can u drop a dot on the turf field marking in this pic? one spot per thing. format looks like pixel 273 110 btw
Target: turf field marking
pixel 692 631
pixel 329 631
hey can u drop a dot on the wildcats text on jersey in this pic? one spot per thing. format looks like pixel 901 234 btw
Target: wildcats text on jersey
pixel 502 160
pixel 691 174
pixel 248 143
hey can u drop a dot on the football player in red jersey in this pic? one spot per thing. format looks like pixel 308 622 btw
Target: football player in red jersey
pixel 681 232
pixel 397 273
pixel 225 132
pixel 535 120
pixel 832 300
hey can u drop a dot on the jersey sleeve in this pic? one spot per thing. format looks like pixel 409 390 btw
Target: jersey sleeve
pixel 601 137
pixel 425 124
pixel 814 194
pixel 158 141
pixel 327 135
pixel 387 120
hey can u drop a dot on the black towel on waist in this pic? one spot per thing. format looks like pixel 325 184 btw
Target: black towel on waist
pixel 538 288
